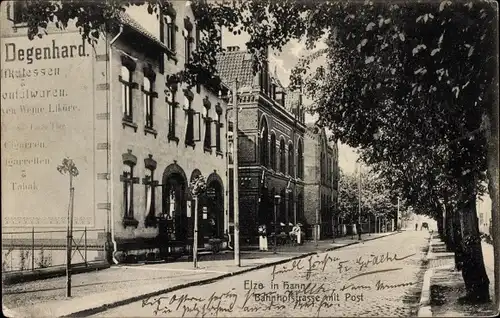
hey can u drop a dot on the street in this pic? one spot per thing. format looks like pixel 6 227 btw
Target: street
pixel 376 278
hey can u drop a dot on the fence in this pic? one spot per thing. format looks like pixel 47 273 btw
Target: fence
pixel 30 250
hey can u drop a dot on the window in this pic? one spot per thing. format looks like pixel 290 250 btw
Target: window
pixel 150 186
pixel 207 143
pixel 300 160
pixel 128 179
pixel 218 126
pixel 189 123
pixel 127 85
pixel 16 11
pixel 170 32
pixel 149 96
pixel 322 168
pixel 283 207
pixel 172 106
pixel 282 156
pixel 126 80
pixel 272 147
pixel 264 143
pixel 188 39
pixel 291 169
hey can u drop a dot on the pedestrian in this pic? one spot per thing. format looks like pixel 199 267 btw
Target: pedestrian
pixel 296 234
pixel 262 238
pixel 358 229
pixel 416 226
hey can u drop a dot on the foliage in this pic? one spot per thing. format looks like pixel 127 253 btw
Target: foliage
pixel 24 257
pixel 376 198
pixel 43 261
pixel 68 166
pixel 198 185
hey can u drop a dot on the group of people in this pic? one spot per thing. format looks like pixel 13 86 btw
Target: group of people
pixel 296 235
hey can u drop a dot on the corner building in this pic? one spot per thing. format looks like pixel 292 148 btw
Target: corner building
pixel 164 135
pixel 138 139
pixel 270 148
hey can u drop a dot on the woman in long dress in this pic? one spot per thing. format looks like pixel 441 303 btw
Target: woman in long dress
pixel 262 238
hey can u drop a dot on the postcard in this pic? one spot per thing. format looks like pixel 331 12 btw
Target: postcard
pixel 249 158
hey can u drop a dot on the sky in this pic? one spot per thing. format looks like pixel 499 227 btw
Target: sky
pixel 282 62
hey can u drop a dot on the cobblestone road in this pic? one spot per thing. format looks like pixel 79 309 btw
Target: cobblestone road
pixel 375 278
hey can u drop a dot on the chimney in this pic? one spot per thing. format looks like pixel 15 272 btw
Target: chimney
pixel 233 48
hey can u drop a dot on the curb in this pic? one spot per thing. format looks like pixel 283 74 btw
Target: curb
pixel 424 304
pixel 100 308
pixel 39 274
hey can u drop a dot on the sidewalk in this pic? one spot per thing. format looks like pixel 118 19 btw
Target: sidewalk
pixel 443 285
pixel 123 284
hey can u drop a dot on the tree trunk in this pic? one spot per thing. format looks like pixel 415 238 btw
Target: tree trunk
pixel 439 221
pixel 473 270
pixel 492 158
pixel 457 240
pixel 448 226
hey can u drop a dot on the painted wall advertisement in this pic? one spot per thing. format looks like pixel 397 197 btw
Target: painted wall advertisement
pixel 47 115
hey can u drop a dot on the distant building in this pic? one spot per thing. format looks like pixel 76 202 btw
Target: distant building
pixel 321 179
pixel 483 206
pixel 271 145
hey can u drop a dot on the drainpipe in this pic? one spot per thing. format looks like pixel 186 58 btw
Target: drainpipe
pixel 110 134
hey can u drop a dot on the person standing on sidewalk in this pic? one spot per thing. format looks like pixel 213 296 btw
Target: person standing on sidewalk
pixel 416 226
pixel 358 229
pixel 262 238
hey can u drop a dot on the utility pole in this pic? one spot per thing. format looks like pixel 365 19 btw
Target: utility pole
pixel 195 243
pixel 359 199
pixel 277 200
pixel 316 226
pixel 235 177
pixel 397 218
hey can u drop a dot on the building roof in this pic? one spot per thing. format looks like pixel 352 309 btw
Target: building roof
pixel 126 19
pixel 235 64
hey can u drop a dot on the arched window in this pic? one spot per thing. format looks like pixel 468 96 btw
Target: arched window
pixel 272 147
pixel 291 169
pixel 300 160
pixel 282 156
pixel 170 32
pixel 264 143
pixel 149 94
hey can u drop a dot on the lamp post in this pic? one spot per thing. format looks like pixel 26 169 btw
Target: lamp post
pixel 68 166
pixel 198 186
pixel 277 200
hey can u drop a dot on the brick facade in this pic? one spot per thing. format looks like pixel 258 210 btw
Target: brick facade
pixel 321 176
pixel 265 118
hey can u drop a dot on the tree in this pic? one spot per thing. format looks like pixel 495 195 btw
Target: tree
pixel 428 99
pixel 376 198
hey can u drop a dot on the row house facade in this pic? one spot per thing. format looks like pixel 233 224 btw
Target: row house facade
pixel 270 146
pixel 321 179
pixel 167 135
pixel 150 136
